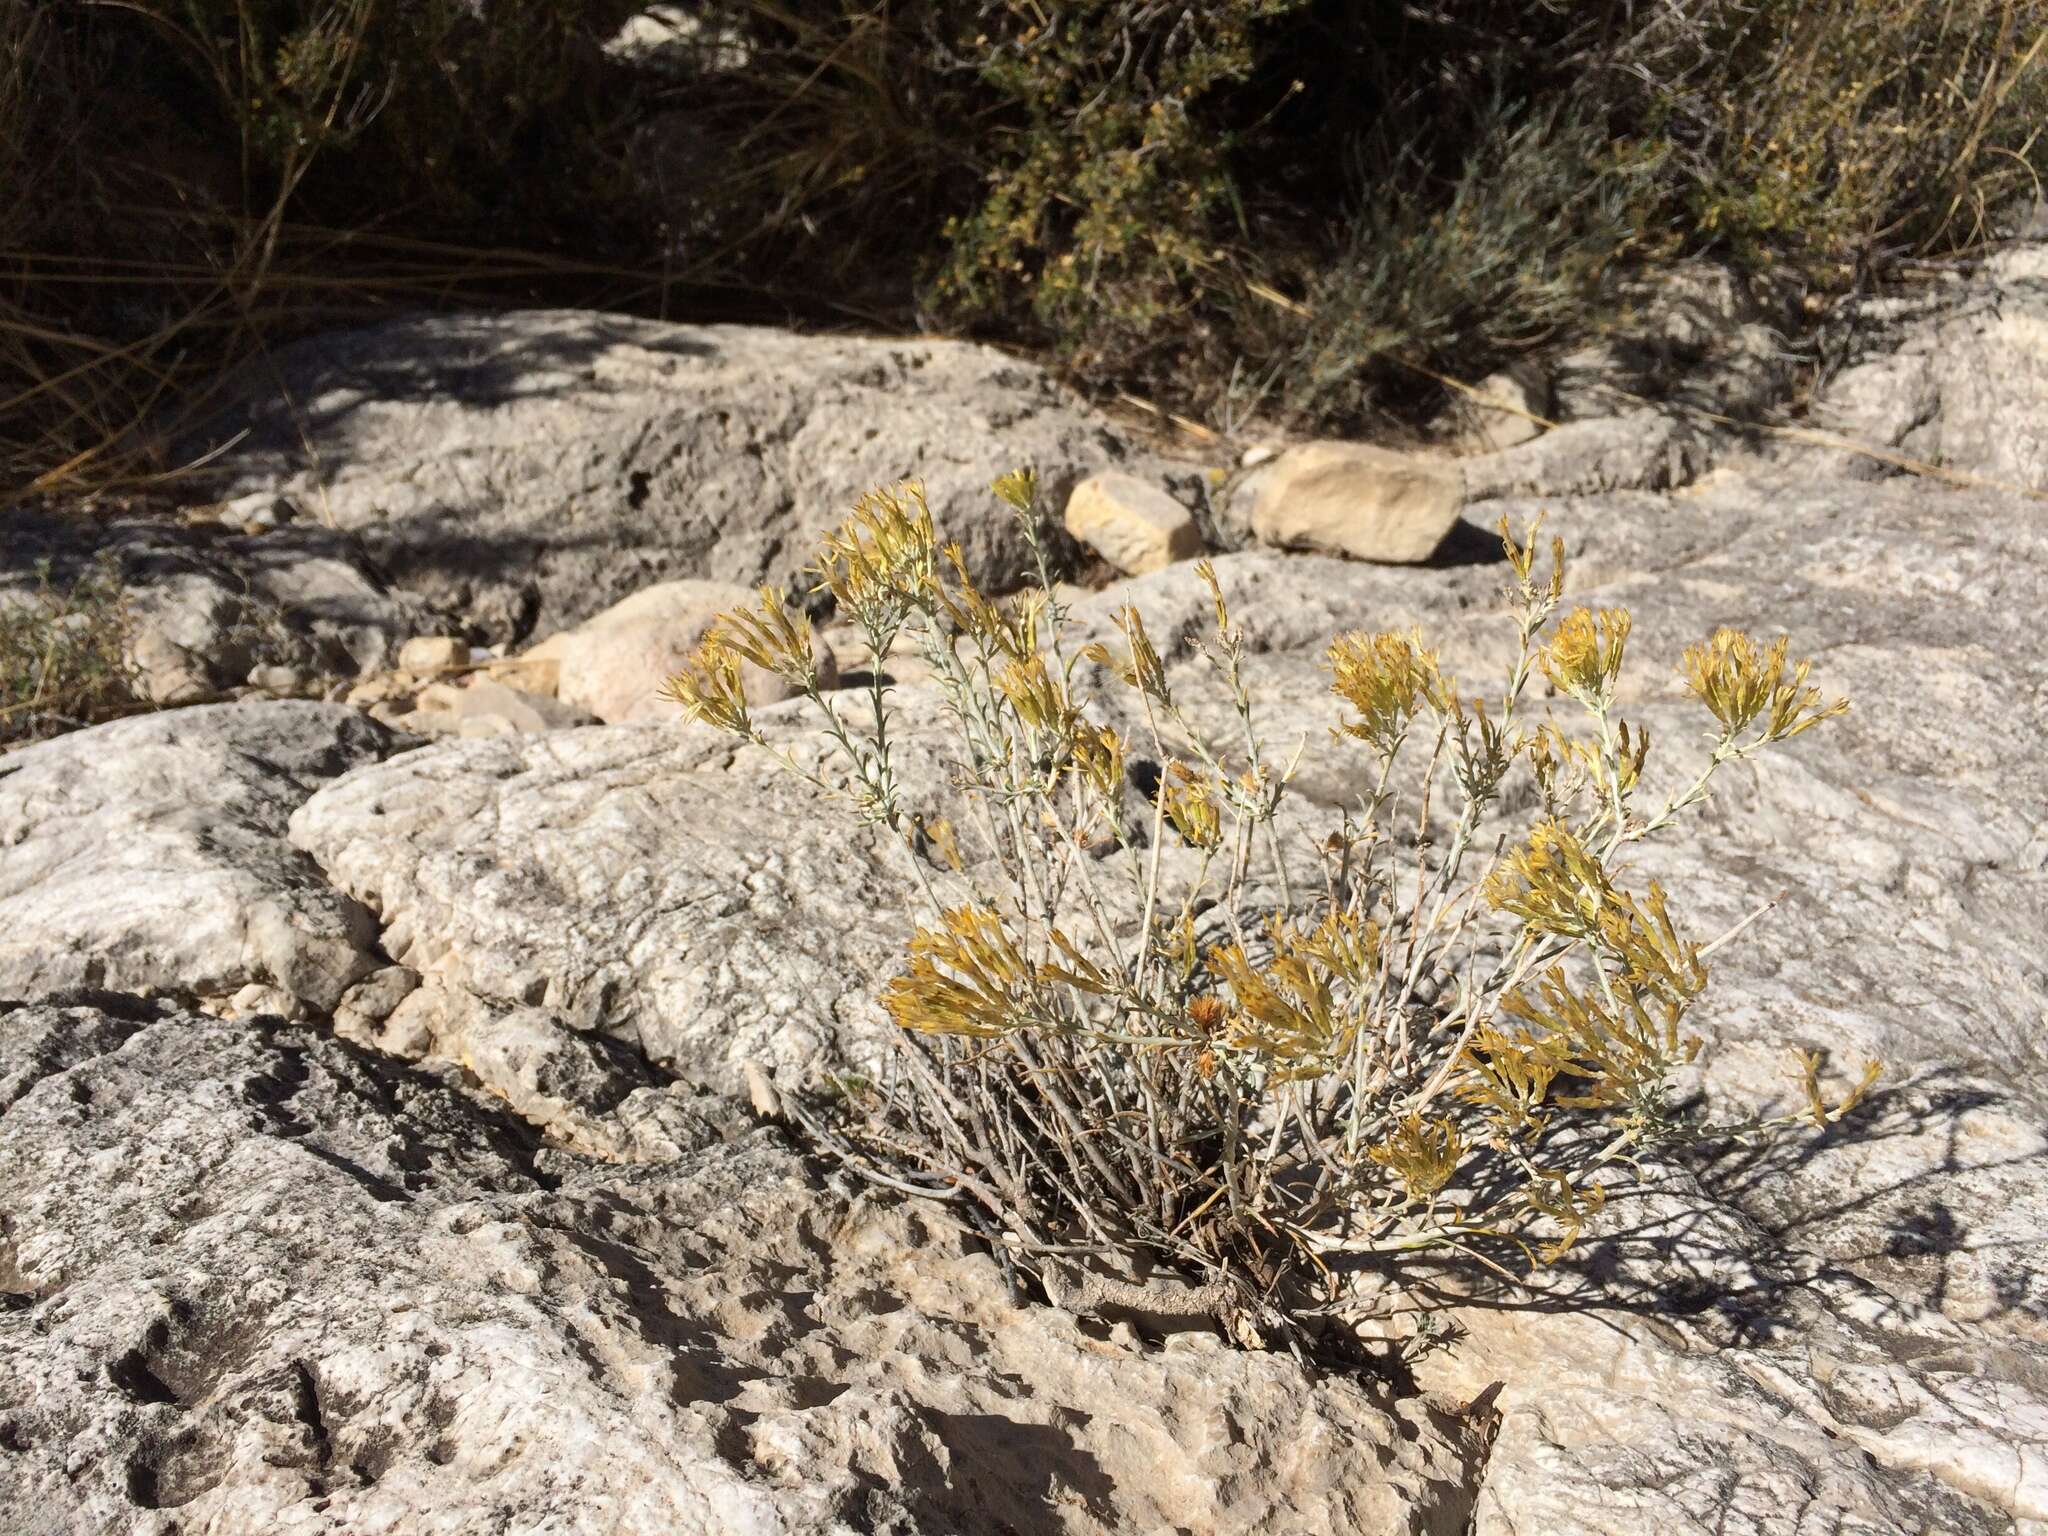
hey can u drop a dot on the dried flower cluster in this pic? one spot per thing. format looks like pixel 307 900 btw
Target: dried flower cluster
pixel 1134 1037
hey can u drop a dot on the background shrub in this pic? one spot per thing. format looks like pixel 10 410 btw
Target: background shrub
pixel 1300 208
pixel 185 181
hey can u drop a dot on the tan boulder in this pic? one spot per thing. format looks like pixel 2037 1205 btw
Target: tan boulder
pixel 1356 500
pixel 1131 523
pixel 483 707
pixel 427 655
pixel 1503 411
pixel 537 669
pixel 614 664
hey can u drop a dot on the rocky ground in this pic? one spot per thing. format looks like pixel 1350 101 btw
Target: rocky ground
pixel 378 1140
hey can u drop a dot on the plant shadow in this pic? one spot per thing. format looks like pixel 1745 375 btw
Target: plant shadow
pixel 1713 1241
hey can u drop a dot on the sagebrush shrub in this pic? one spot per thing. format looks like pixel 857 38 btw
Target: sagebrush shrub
pixel 1832 135
pixel 1132 1039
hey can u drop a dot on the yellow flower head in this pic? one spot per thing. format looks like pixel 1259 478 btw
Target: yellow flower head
pixel 1205 572
pixel 1345 945
pixel 1553 883
pixel 1584 654
pixel 1423 1154
pixel 1292 1010
pixel 1522 561
pixel 1506 1077
pixel 992 628
pixel 1037 697
pixel 709 687
pixel 1098 756
pixel 1738 682
pixel 1387 679
pixel 1139 666
pixel 1190 804
pixel 965 978
pixel 1551 1193
pixel 883 559
pixel 773 639
pixel 1019 489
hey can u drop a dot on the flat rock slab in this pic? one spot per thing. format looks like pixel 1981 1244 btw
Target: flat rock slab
pixel 526 470
pixel 651 883
pixel 149 855
pixel 254 1280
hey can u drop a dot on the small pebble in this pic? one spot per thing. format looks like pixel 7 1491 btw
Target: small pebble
pixel 286 682
pixel 424 655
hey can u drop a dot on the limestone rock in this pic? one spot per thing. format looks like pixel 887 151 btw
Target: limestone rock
pixel 644 882
pixel 672 41
pixel 1955 374
pixel 524 471
pixel 258 512
pixel 184 640
pixel 1285 603
pixel 560 1080
pixel 149 855
pixel 368 1003
pixel 1644 449
pixel 257 1001
pixel 204 608
pixel 1131 523
pixel 281 682
pixel 1355 500
pixel 538 669
pixel 256 1280
pixel 614 664
pixel 1689 338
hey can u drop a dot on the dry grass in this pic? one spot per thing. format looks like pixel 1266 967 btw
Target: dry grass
pixel 144 254
pixel 63 655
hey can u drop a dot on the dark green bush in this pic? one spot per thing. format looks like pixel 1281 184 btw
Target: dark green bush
pixel 1294 202
pixel 1110 208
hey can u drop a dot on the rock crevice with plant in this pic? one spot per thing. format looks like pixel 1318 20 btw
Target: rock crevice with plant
pixel 1177 1031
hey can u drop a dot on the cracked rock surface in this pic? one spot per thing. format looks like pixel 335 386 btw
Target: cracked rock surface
pixel 253 1280
pixel 1955 374
pixel 530 469
pixel 207 607
pixel 149 855
pixel 645 882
